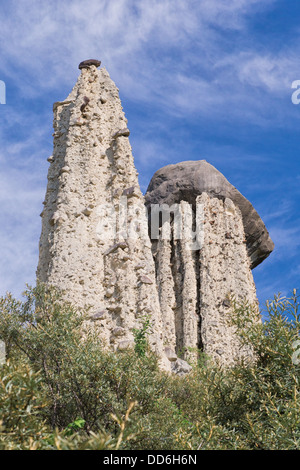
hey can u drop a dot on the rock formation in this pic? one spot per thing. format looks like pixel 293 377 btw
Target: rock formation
pixel 94 261
pixel 187 180
pixel 195 285
pixel 95 243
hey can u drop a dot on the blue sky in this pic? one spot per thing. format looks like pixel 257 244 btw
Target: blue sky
pixel 198 79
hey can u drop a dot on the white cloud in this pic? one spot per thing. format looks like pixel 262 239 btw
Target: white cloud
pixel 167 53
pixel 151 43
pixel 272 71
pixel 22 188
pixel 21 194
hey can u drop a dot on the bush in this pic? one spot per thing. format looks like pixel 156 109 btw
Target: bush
pixel 79 378
pixel 254 406
pixel 60 389
pixel 21 403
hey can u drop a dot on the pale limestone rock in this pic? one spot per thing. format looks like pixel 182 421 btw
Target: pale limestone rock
pixel 92 166
pixel 181 367
pixel 123 345
pixel 195 282
pixel 171 354
pixel 224 271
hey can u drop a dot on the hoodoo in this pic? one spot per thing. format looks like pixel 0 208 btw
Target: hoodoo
pixel 95 244
pixel 92 181
pixel 195 284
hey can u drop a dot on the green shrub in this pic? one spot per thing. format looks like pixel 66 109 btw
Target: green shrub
pixel 21 403
pixel 60 389
pixel 79 378
pixel 140 336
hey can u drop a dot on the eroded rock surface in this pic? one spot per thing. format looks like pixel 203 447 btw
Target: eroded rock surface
pixel 91 168
pixel 185 181
pixel 196 282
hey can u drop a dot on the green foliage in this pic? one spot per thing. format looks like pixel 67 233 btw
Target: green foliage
pixel 20 405
pixel 60 389
pixel 78 377
pixel 140 336
pixel 78 424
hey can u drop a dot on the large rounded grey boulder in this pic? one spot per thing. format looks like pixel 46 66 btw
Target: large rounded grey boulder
pixel 186 180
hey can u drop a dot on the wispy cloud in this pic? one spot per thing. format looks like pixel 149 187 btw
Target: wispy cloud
pixel 286 239
pixel 169 50
pixel 22 187
pixel 21 193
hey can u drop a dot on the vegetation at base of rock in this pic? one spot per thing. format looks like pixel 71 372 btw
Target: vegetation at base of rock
pixel 140 336
pixel 60 389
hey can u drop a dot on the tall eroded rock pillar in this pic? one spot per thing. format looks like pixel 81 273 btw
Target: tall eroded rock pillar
pixel 224 272
pixel 91 244
pixel 197 274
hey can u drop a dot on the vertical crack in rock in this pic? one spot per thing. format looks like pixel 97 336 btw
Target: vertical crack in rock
pixel 166 290
pixel 178 277
pixel 177 270
pixel 198 302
